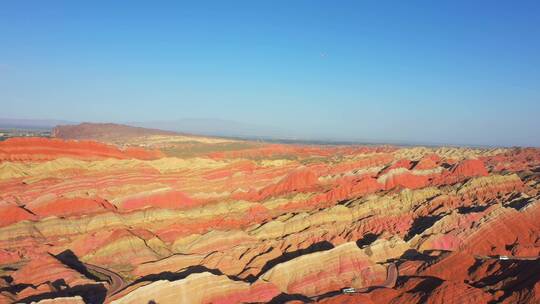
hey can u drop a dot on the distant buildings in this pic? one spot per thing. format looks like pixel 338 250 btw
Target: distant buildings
pixel 8 133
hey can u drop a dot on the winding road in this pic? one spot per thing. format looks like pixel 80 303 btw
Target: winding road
pixel 116 283
pixel 507 257
pixel 390 282
pixel 391 276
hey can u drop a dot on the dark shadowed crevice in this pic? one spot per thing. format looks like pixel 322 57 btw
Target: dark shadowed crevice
pixel 475 266
pixel 515 276
pixel 258 255
pixel 519 204
pixel 15 288
pixel 255 256
pixel 345 201
pixel 27 210
pixel 175 276
pixel 68 258
pixel 424 288
pixel 421 224
pixel 472 209
pixel 91 293
pixel 285 298
pixel 316 247
pixel 414 255
pixel 367 240
pixel 518 270
pixel 446 165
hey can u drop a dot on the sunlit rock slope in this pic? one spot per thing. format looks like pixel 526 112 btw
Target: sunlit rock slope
pixel 155 218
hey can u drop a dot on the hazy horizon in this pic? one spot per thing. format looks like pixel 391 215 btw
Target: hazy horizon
pixel 234 129
pixel 456 73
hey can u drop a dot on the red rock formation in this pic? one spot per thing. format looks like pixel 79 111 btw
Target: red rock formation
pixel 164 199
pixel 402 163
pixel 469 168
pixel 271 222
pixel 13 214
pixel 372 161
pixel 42 149
pixel 348 188
pixel 296 181
pixel 405 180
pixel 301 180
pixel 518 159
pixel 70 206
pixel 427 162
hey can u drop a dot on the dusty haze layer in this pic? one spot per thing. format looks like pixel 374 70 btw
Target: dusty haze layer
pixel 134 215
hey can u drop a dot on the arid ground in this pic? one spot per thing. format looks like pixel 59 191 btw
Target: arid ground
pixel 109 213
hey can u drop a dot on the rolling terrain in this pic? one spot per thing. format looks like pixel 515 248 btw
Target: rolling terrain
pixel 105 213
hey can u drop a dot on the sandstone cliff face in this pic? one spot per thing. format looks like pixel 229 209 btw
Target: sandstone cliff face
pixel 265 223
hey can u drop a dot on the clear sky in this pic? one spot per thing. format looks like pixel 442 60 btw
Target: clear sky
pixel 460 72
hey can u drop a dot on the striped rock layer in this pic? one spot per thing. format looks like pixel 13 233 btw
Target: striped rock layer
pixel 241 222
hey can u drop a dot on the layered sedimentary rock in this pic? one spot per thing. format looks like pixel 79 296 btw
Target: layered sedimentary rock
pixel 42 149
pixel 321 272
pixel 84 221
pixel 201 288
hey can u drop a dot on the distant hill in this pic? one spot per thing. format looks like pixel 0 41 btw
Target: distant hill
pixel 188 126
pixel 104 131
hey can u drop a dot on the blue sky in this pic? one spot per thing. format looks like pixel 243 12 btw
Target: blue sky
pixel 460 72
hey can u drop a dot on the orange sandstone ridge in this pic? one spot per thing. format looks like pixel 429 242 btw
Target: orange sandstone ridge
pixel 239 222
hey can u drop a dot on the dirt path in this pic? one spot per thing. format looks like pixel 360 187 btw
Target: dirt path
pixel 116 283
pixel 391 276
pixel 508 257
